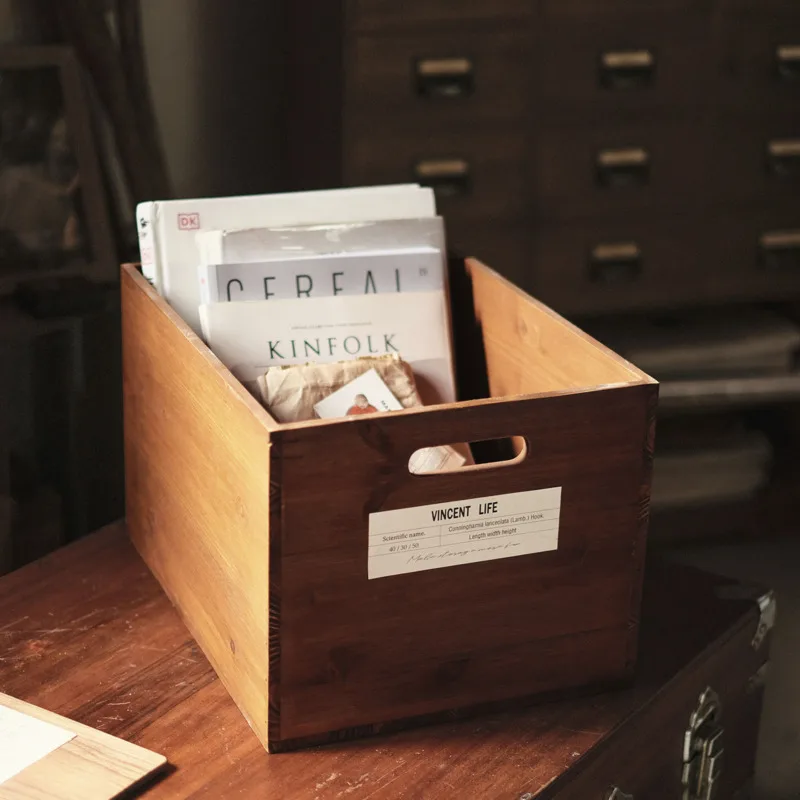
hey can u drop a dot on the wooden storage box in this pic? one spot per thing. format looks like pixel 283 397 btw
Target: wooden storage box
pixel 259 532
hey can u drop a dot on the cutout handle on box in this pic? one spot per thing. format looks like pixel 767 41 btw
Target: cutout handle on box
pixel 488 453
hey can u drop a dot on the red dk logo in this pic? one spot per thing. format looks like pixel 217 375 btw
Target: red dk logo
pixel 188 222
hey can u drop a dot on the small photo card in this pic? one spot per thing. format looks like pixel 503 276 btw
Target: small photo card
pixel 367 394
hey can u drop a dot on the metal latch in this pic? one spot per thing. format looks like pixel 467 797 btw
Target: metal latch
pixel 703 749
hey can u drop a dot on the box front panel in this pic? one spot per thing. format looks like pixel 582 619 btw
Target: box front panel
pixel 360 651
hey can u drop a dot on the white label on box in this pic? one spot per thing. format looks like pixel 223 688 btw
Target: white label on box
pixel 24 740
pixel 463 532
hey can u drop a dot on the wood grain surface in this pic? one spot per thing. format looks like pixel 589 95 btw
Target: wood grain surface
pixel 88 633
pixel 531 349
pixel 197 461
pixel 92 766
pixel 259 531
pixel 356 651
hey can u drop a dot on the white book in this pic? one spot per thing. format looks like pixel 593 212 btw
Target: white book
pixel 250 337
pixel 167 229
pixel 420 269
pixel 258 244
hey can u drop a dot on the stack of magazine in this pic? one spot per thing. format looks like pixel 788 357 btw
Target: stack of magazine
pixel 324 276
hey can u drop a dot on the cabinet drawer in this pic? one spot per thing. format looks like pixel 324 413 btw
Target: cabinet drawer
pixel 626 266
pixel 760 63
pixel 761 253
pixel 759 163
pixel 607 171
pixel 437 79
pixel 618 265
pixel 616 65
pixel 368 15
pixel 476 176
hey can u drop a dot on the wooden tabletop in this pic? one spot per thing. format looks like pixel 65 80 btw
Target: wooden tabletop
pixel 88 633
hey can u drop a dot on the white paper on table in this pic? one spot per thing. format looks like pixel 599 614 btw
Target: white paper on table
pixel 24 740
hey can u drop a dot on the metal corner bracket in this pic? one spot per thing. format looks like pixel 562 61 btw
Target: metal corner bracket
pixel 768 608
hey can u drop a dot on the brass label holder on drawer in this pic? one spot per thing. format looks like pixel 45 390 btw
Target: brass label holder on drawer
pixel 618 262
pixel 627 69
pixel 625 166
pixel 444 78
pixel 448 177
pixel 787 62
pixel 780 249
pixel 783 157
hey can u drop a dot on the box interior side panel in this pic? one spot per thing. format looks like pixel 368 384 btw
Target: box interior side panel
pixel 529 349
pixel 197 487
pixel 359 651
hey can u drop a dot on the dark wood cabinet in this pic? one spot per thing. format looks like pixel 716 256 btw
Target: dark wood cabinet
pixel 605 154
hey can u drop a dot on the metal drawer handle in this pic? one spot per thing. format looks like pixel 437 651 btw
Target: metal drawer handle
pixel 783 157
pixel 629 166
pixel 787 61
pixel 627 69
pixel 444 78
pixel 619 262
pixel 780 249
pixel 448 177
